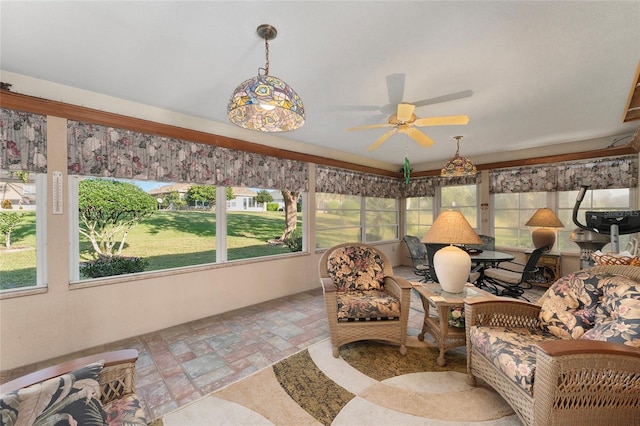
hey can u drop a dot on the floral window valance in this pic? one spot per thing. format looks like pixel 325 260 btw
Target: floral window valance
pixel 426 186
pixel 23 141
pixel 619 172
pixel 96 150
pixel 341 181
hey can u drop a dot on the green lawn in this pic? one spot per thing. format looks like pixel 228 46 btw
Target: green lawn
pixel 168 239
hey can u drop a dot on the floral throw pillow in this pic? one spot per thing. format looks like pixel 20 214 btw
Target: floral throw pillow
pixel 619 314
pixel 568 308
pixel 72 398
pixel 356 268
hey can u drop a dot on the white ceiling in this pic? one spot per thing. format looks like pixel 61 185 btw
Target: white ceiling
pixel 533 74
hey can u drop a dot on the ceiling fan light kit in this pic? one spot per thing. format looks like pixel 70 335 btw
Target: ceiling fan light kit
pixel 266 103
pixel 458 166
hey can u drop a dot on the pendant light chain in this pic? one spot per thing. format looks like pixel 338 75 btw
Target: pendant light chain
pixel 266 58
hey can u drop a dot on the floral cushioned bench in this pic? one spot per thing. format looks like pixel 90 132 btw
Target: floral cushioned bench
pixel 95 390
pixel 550 360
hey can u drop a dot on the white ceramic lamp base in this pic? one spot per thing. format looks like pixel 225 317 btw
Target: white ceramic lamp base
pixel 452 266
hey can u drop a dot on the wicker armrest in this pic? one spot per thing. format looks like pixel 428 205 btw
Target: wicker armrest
pixel 586 381
pixel 395 284
pixel 501 313
pixel 556 348
pixel 118 377
pixel 327 285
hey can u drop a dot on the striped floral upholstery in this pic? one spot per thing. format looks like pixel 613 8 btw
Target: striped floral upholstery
pixel 367 305
pixel 511 350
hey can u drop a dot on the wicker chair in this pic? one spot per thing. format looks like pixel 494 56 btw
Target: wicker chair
pixel 577 382
pixel 356 310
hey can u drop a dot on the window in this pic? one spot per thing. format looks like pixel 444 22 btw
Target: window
pixel 257 223
pixel 418 215
pixel 463 198
pixel 176 229
pixel 381 219
pixel 594 200
pixel 181 230
pixel 341 218
pixel 337 219
pixel 510 213
pixel 23 229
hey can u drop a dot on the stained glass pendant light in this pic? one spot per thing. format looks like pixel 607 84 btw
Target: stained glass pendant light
pixel 266 103
pixel 458 166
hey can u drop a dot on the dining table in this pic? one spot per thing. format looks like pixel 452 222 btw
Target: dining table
pixel 490 257
pixel 484 259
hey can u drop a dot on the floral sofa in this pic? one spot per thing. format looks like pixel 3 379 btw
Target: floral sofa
pixel 94 390
pixel 364 300
pixel 572 358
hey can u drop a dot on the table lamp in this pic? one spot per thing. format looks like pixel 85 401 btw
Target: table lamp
pixel 543 236
pixel 451 263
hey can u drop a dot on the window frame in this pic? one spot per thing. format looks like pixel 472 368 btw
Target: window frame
pixel 221 223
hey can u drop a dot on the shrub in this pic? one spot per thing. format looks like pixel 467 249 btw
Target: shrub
pixel 116 265
pixel 6 204
pixel 272 207
pixel 294 242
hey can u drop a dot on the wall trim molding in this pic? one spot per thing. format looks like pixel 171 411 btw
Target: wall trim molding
pixel 36 105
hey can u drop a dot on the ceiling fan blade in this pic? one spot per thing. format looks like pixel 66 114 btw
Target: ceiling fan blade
pixel 442 121
pixel 418 136
pixel 444 98
pixel 405 111
pixel 372 126
pixel 382 139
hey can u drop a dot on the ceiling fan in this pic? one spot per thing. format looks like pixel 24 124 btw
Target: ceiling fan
pixel 405 121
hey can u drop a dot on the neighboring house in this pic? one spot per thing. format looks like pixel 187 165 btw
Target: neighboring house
pixel 244 201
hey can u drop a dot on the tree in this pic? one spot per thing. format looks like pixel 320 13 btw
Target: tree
pixel 263 197
pixel 173 198
pixel 108 210
pixel 201 194
pixel 230 194
pixel 8 222
pixel 290 213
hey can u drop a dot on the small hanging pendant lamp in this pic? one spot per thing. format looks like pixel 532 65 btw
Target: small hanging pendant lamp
pixel 458 166
pixel 266 103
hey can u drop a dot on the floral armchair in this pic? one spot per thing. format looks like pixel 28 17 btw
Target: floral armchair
pixel 364 300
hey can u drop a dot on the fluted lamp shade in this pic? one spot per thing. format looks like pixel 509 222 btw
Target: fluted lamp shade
pixel 544 219
pixel 451 263
pixel 266 103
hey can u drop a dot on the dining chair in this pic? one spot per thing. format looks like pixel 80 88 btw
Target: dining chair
pixel 513 278
pixel 418 253
pixel 432 248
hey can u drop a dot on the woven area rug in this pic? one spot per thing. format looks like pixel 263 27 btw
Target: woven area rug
pixel 370 384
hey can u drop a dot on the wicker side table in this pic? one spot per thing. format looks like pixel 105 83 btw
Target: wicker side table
pixel 432 295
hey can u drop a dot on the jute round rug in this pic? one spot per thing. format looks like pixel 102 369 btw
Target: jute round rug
pixel 371 383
